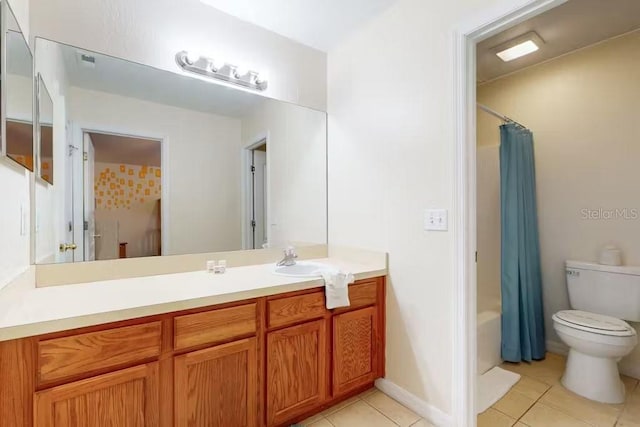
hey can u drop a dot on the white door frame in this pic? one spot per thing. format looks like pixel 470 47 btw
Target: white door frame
pixel 483 25
pixel 78 217
pixel 252 143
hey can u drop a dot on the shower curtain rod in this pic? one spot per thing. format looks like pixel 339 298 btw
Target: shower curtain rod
pixel 498 115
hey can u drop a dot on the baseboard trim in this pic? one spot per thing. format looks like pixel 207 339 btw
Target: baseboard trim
pixel 557 347
pixel 630 371
pixel 417 405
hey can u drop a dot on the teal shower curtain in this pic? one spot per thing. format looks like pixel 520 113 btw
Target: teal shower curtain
pixel 521 283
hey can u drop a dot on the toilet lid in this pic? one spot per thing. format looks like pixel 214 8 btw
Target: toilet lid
pixel 598 323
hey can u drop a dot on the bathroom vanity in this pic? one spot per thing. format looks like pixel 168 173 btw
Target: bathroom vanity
pixel 268 360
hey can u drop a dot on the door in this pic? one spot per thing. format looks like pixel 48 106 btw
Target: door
pixel 124 398
pixel 297 364
pixel 106 238
pixel 218 386
pixel 64 229
pixel 355 349
pixel 259 191
pixel 90 234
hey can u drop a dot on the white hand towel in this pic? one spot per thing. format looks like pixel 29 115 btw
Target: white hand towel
pixel 336 288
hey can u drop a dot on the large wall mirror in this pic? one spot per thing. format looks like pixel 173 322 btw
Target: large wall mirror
pixel 150 162
pixel 45 132
pixel 18 88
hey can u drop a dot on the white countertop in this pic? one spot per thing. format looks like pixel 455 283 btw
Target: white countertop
pixel 30 311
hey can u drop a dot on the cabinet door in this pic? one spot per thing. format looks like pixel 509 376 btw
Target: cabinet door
pixel 296 370
pixel 124 398
pixel 355 349
pixel 218 386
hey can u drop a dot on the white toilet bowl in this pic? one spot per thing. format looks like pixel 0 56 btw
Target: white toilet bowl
pixel 596 343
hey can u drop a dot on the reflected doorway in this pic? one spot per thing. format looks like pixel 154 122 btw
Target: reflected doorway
pixel 123 196
pixel 258 195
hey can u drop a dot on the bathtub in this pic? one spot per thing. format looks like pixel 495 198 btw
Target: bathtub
pixel 489 340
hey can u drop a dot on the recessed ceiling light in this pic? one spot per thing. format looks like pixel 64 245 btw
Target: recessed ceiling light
pixel 518 50
pixel 518 47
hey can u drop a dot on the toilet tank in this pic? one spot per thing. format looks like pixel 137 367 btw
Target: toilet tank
pixel 604 289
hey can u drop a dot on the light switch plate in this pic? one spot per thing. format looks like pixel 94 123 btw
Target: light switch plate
pixel 436 220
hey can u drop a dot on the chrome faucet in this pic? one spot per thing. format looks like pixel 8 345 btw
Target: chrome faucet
pixel 289 257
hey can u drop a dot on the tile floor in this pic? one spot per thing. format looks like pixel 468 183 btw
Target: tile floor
pixel 369 409
pixel 539 400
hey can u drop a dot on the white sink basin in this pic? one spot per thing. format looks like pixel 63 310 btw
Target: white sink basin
pixel 301 269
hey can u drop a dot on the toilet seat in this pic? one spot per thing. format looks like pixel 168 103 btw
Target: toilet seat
pixel 594 323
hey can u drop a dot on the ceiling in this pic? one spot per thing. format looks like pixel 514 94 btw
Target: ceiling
pixel 320 24
pixel 124 149
pixel 570 26
pixel 125 78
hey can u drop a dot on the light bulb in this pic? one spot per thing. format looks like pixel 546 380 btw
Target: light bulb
pixel 216 65
pixel 239 72
pixel 261 78
pixel 191 57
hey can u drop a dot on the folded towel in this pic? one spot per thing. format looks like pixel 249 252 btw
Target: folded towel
pixel 336 288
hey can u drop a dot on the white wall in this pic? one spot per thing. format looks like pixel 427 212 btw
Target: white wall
pixel 488 227
pixel 20 10
pixel 152 32
pixel 391 152
pixel 136 213
pixel 582 109
pixel 297 172
pixel 14 246
pixel 19 97
pixel 15 207
pixel 203 167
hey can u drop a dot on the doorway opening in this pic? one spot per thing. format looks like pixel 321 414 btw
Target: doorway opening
pixel 257 196
pixel 123 196
pixel 494 97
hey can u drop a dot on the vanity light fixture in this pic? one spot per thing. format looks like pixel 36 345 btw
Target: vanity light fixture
pixel 204 66
pixel 518 47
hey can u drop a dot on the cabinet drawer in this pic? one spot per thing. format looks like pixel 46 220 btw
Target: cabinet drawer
pixel 214 326
pixel 286 311
pixel 80 354
pixel 361 295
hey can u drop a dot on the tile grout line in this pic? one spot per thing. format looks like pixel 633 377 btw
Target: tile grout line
pixel 537 400
pixel 383 414
pixel 516 391
pixel 356 400
pixel 327 419
pixel 624 407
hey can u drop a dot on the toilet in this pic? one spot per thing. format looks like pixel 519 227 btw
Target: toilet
pixel 601 296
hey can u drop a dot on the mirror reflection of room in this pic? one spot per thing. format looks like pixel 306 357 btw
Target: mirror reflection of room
pixel 150 162
pixel 19 97
pixel 45 131
pixel 123 195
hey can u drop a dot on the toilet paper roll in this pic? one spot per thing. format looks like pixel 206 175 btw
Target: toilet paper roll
pixel 611 255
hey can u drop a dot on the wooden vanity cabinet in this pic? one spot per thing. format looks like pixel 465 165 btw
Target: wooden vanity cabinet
pixel 265 362
pixel 297 367
pixel 128 397
pixel 217 386
pixel 356 348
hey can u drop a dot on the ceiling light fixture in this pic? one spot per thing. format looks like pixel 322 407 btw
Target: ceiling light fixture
pixel 222 71
pixel 518 47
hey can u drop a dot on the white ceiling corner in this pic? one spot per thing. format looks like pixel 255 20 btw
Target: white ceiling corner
pixel 320 24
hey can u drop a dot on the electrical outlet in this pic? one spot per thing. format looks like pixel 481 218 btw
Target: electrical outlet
pixel 436 220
